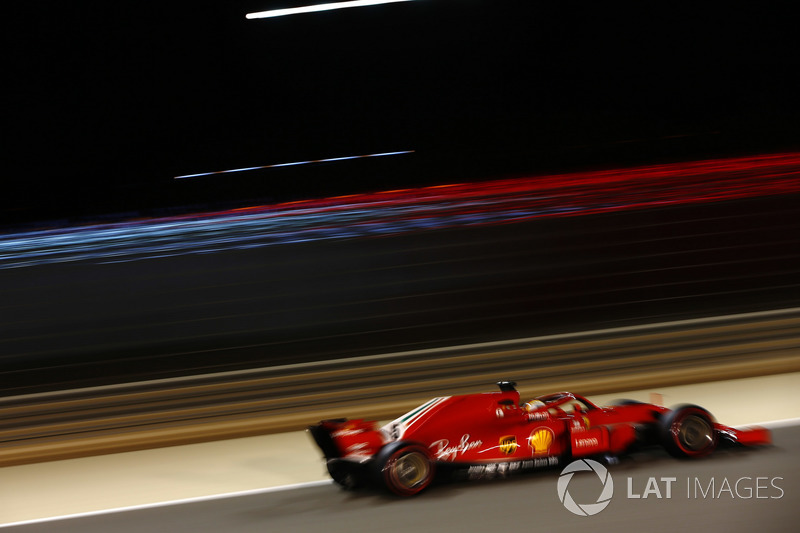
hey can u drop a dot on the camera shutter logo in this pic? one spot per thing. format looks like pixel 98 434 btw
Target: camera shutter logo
pixel 585 509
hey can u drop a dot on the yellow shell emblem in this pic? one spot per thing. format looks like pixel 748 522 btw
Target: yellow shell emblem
pixel 540 440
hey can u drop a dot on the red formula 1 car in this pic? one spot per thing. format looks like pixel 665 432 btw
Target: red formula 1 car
pixel 491 434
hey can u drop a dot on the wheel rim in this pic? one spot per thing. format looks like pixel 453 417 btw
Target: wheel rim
pixel 410 470
pixel 695 433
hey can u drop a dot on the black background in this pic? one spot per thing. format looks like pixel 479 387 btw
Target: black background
pixel 107 101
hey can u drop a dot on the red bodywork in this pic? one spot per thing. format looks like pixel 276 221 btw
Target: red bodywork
pixel 492 432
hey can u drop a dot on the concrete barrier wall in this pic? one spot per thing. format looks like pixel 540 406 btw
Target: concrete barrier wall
pixel 151 414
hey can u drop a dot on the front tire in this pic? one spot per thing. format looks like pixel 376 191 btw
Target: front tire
pixel 404 468
pixel 688 431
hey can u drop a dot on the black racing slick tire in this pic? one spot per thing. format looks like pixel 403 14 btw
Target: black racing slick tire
pixel 404 468
pixel 688 432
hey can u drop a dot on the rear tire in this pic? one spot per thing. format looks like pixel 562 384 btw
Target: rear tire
pixel 404 468
pixel 688 431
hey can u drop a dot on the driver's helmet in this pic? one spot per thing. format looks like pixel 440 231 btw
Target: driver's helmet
pixel 533 405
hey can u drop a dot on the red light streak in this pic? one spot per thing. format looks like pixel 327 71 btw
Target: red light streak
pixel 674 183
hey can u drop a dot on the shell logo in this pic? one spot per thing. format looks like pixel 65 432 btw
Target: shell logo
pixel 540 440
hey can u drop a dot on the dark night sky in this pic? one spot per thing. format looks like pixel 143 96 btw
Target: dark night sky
pixel 107 101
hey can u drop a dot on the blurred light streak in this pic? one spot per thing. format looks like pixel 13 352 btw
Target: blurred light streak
pixel 319 7
pixel 407 210
pixel 295 163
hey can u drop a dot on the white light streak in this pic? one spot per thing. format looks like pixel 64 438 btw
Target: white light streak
pixel 294 163
pixel 318 7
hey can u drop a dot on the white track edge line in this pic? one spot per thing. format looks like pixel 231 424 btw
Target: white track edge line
pixel 771 424
pixel 169 503
pixel 775 424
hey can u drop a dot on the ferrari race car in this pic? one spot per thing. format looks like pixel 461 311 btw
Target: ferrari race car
pixel 492 434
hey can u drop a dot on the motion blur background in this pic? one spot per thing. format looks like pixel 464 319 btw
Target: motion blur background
pixel 566 181
pixel 508 215
pixel 107 102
